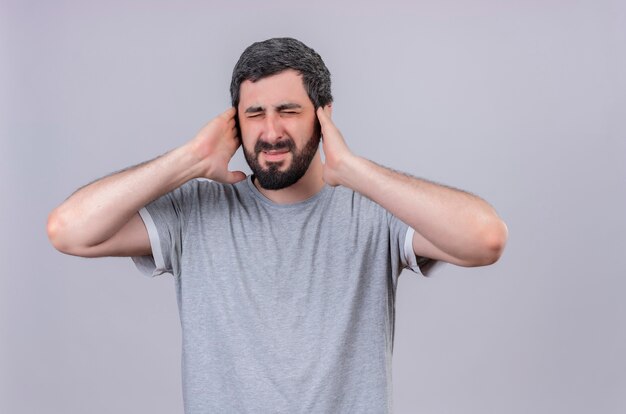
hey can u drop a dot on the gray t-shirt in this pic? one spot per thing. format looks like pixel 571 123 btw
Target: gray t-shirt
pixel 284 308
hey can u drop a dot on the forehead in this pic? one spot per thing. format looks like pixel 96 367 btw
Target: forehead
pixel 282 87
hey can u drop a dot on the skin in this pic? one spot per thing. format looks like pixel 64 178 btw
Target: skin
pixel 450 225
pixel 101 219
pixel 272 109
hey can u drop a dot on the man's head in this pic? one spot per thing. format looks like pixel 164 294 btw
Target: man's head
pixel 276 87
pixel 262 59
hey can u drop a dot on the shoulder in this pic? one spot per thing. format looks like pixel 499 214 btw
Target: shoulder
pixel 347 199
pixel 209 191
pixel 206 185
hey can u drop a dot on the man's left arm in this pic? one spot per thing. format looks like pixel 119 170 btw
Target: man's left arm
pixel 450 225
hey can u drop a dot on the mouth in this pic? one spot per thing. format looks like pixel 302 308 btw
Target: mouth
pixel 275 155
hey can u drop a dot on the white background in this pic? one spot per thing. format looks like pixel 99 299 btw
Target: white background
pixel 521 102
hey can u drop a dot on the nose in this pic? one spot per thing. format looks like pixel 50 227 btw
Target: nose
pixel 273 128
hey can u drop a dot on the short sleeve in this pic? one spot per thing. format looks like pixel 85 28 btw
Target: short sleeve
pixel 421 265
pixel 402 234
pixel 166 221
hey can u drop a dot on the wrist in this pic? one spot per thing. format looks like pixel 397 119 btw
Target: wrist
pixel 350 171
pixel 189 165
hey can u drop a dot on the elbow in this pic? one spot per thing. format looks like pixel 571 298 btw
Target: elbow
pixel 491 243
pixel 68 238
pixel 55 228
pixel 494 242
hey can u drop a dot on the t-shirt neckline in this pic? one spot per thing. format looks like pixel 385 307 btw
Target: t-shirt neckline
pixel 257 194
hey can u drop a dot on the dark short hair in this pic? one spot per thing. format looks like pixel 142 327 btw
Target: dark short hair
pixel 262 59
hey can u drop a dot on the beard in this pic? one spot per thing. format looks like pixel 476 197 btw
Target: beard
pixel 272 178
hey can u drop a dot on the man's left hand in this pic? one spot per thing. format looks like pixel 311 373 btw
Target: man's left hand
pixel 336 153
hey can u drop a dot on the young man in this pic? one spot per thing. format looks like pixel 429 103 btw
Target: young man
pixel 285 279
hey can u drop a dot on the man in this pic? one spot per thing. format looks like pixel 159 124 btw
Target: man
pixel 285 279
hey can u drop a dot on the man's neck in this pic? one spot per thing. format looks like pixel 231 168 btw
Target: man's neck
pixel 310 184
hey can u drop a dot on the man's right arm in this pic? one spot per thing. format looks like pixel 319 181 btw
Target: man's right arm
pixel 102 219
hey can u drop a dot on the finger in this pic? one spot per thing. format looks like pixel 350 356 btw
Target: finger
pixel 329 110
pixel 322 116
pixel 229 113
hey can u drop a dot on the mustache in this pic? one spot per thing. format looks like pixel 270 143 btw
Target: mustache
pixel 286 143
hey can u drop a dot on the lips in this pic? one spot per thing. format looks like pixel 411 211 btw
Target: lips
pixel 280 151
pixel 275 155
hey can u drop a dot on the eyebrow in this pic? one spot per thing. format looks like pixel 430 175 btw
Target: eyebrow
pixel 284 106
pixel 281 107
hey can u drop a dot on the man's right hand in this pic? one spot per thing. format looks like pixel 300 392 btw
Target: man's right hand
pixel 214 146
pixel 102 219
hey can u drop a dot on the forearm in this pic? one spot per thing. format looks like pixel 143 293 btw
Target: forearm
pixel 450 224
pixel 458 223
pixel 97 211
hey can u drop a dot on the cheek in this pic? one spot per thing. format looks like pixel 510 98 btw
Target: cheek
pixel 298 128
pixel 248 145
pixel 246 136
pixel 247 131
